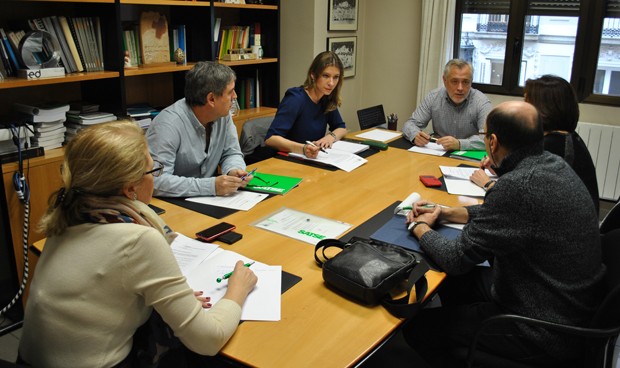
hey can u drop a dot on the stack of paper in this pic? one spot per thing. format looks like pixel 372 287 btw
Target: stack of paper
pixel 203 263
pixel 380 135
pixel 457 180
pixel 430 149
pixel 48 120
pixel 343 160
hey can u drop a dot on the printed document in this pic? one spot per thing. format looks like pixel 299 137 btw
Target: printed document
pixel 341 159
pixel 203 263
pixel 302 226
pixel 430 149
pixel 457 181
pixel 239 200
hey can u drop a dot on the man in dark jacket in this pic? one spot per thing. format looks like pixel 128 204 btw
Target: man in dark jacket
pixel 538 228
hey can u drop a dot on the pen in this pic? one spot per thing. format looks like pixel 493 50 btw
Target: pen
pixel 219 279
pixel 433 139
pixel 248 174
pixel 425 206
pixel 314 145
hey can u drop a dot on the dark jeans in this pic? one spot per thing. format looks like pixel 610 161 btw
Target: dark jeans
pixel 466 301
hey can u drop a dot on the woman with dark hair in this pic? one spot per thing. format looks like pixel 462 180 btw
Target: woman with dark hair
pixel 305 112
pixel 558 108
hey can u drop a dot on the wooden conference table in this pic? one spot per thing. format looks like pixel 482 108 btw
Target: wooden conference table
pixel 318 327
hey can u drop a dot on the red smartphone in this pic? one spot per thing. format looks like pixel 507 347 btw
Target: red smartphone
pixel 430 181
pixel 212 233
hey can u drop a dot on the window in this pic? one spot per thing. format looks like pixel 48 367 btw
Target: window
pixel 508 42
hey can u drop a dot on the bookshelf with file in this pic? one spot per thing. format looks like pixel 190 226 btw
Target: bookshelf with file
pixel 116 87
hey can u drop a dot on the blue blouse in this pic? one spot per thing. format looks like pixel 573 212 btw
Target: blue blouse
pixel 299 119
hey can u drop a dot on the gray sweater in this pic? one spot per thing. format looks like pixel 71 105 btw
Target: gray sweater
pixel 539 228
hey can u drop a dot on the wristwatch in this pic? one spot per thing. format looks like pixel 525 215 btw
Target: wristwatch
pixel 415 224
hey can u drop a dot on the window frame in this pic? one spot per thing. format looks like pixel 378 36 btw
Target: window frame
pixel 585 58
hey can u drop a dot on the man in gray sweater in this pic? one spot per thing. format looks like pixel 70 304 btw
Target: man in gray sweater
pixel 539 230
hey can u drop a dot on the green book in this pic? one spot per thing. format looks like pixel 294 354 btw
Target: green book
pixel 272 184
pixel 469 155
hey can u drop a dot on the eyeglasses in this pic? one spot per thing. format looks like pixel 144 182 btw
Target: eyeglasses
pixel 158 168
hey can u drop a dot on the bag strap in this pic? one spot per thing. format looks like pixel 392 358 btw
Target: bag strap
pixel 401 308
pixel 323 245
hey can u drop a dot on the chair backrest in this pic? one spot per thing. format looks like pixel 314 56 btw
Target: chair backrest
pixel 608 314
pixel 253 134
pixel 371 117
pixel 612 219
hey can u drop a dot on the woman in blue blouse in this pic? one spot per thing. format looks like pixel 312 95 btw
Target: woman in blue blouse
pixel 306 112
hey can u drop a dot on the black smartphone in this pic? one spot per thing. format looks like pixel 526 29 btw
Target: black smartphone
pixel 212 233
pixel 230 237
pixel 158 210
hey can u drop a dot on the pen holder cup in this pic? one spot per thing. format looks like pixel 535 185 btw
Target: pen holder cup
pixel 392 124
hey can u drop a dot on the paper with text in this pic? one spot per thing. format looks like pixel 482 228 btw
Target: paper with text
pixel 302 226
pixel 430 149
pixel 341 159
pixel 202 267
pixel 239 200
pixel 460 184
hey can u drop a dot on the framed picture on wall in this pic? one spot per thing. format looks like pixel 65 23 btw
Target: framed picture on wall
pixel 346 49
pixel 342 15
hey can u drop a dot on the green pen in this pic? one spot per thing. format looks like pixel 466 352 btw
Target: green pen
pixel 219 279
pixel 425 206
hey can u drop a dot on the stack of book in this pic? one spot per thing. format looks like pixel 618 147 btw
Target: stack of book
pixel 79 119
pixel 142 114
pixel 48 120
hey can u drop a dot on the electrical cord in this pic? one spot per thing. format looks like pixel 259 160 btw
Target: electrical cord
pixel 23 193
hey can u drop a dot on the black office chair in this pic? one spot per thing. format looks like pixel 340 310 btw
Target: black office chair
pixel 599 337
pixel 612 219
pixel 371 117
pixel 252 140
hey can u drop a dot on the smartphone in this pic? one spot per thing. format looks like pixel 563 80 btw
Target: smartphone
pixel 212 233
pixel 158 210
pixel 430 181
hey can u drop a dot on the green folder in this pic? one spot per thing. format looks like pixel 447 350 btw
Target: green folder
pixel 271 183
pixel 469 155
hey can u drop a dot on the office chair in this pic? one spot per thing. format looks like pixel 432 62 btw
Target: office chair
pixel 599 336
pixel 252 140
pixel 612 219
pixel 371 117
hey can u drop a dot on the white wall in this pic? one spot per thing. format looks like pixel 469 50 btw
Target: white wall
pixel 388 43
pixel 387 52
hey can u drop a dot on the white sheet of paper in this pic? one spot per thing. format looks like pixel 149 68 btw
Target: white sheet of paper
pixel 343 160
pixel 302 226
pixel 263 302
pixel 350 147
pixel 190 252
pixel 462 172
pixel 379 135
pixel 239 200
pixel 430 149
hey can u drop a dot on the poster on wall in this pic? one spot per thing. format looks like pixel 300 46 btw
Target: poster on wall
pixel 345 48
pixel 342 15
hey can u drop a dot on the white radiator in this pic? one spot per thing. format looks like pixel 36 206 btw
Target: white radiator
pixel 603 142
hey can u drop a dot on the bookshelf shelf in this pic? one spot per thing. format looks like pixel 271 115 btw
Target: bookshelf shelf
pixel 249 62
pixel 245 6
pixel 13 82
pixel 130 72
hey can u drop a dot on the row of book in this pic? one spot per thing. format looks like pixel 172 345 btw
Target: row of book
pixel 236 37
pixel 248 92
pixel 77 40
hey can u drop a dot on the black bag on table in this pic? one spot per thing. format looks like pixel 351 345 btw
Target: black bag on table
pixel 368 271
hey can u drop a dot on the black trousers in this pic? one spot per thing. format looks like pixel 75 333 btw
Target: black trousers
pixel 466 301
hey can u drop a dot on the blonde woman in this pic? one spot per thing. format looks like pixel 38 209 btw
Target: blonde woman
pixel 107 263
